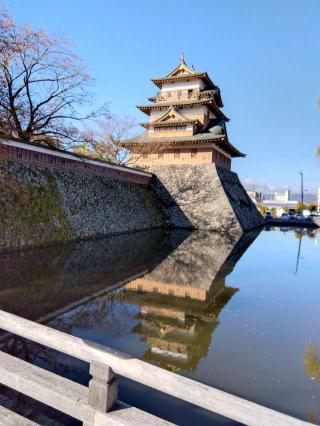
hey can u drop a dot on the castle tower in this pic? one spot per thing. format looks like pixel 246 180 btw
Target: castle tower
pixel 186 146
pixel 186 124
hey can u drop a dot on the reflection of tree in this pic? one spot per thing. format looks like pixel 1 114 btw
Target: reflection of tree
pixel 312 363
pixel 104 313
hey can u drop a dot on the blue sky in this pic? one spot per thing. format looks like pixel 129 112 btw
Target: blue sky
pixel 264 55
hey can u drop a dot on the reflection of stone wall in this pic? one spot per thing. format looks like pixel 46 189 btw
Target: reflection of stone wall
pixel 181 298
pixel 39 206
pixel 37 282
pixel 205 197
pixel 196 261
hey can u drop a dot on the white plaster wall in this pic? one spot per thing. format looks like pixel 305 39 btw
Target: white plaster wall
pixel 201 109
pixel 183 85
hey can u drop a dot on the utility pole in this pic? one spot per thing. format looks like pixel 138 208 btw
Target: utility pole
pixel 302 191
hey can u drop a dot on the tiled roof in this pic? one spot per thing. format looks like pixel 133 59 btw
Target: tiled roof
pixel 201 75
pixel 220 141
pixel 181 103
pixel 176 102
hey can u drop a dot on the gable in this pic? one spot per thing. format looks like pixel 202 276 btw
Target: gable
pixel 170 115
pixel 181 69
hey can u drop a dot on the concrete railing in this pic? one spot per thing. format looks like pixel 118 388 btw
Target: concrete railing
pixel 96 405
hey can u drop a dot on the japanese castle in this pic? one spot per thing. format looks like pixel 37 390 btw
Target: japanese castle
pixel 186 124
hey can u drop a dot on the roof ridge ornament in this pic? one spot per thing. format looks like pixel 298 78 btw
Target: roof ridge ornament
pixel 182 58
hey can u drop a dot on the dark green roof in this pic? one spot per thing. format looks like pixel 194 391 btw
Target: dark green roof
pixel 201 75
pixel 220 140
pixel 177 103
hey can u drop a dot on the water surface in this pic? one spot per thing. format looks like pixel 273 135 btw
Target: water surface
pixel 242 316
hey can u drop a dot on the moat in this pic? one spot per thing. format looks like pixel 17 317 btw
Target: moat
pixel 240 315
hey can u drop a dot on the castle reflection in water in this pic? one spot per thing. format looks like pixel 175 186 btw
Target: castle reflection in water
pixel 173 305
pixel 180 299
pixel 170 308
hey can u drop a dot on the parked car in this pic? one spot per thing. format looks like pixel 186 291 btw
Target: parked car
pixel 314 217
pixel 268 216
pixel 285 216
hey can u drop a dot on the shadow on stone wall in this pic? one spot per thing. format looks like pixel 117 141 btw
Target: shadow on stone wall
pixel 169 202
pixel 205 197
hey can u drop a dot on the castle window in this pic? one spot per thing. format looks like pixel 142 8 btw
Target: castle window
pixel 190 92
pixel 160 155
pixel 176 153
pixel 169 95
pixel 169 128
pixel 194 152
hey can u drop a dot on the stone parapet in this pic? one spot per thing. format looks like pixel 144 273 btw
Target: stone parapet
pixel 53 158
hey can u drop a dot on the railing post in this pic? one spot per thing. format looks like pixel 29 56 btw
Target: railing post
pixel 103 388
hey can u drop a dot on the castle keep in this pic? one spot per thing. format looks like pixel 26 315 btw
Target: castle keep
pixel 185 144
pixel 186 124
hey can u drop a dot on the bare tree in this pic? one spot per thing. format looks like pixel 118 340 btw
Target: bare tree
pixel 142 146
pixel 103 140
pixel 116 139
pixel 42 85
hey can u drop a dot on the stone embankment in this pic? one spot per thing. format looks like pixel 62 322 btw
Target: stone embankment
pixel 46 197
pixel 51 196
pixel 205 197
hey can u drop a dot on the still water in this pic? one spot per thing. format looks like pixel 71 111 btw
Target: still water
pixel 240 315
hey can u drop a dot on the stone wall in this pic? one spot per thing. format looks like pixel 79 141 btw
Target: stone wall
pixel 44 205
pixel 50 196
pixel 38 155
pixel 205 197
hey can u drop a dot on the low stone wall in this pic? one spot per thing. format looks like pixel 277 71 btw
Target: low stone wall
pixel 205 197
pixel 44 205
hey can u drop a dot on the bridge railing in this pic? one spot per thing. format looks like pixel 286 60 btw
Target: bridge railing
pixel 97 405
